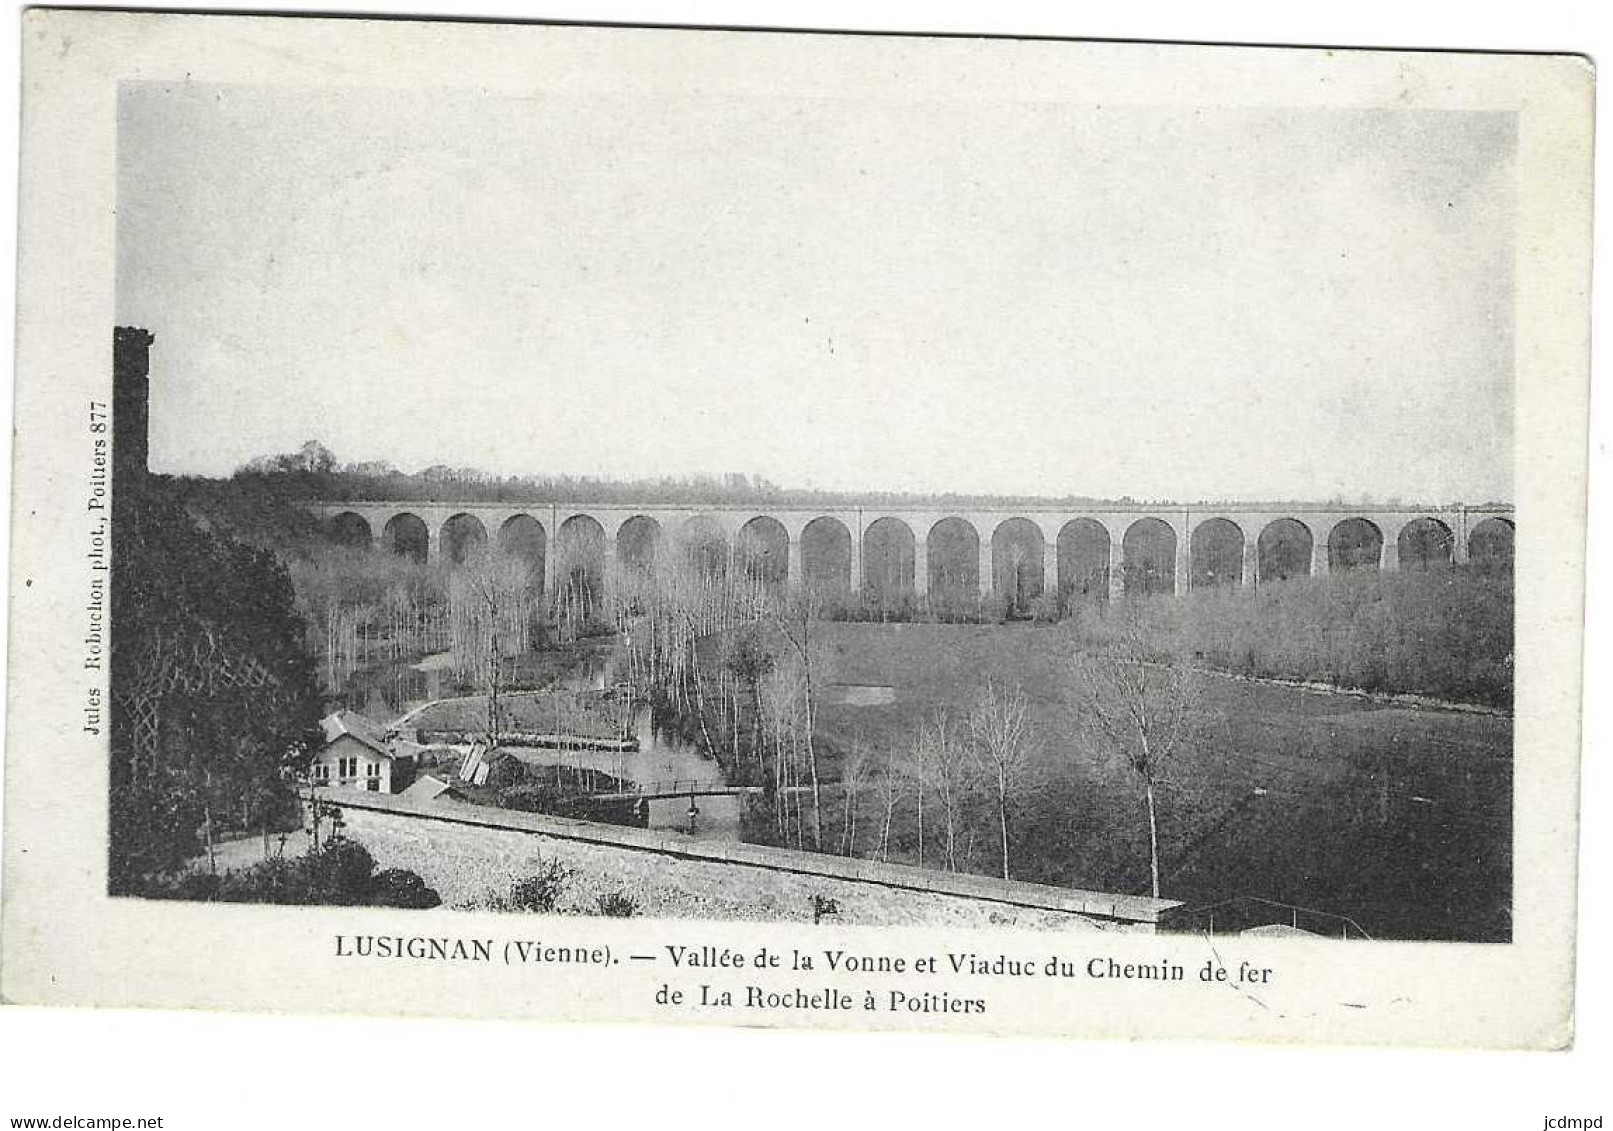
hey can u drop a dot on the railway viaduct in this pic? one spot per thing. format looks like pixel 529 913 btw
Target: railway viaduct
pixel 1105 550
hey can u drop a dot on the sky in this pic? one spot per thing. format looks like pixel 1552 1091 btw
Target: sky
pixel 1017 298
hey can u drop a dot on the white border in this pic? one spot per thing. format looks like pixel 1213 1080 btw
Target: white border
pixel 1202 1080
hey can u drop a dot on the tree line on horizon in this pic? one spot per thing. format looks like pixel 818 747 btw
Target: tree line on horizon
pixel 313 471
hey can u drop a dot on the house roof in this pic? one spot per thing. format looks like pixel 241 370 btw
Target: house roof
pixel 426 788
pixel 352 724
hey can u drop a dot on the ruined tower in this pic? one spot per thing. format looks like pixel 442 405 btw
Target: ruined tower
pixel 131 394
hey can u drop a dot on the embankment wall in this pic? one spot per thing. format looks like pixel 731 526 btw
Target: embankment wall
pixel 468 852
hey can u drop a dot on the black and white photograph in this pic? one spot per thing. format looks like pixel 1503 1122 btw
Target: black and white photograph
pixel 670 504
pixel 1067 516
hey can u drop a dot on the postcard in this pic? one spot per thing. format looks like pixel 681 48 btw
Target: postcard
pixel 783 529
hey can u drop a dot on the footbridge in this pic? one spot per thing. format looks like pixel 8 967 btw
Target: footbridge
pixel 666 790
pixel 1023 551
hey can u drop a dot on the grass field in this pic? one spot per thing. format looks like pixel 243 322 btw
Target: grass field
pixel 1397 817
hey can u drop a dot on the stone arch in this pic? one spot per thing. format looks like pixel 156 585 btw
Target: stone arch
pixel 1149 549
pixel 826 555
pixel 1083 547
pixel 1355 543
pixel 523 537
pixel 705 546
pixel 1425 543
pixel 406 535
pixel 638 542
pixel 463 538
pixel 952 553
pixel 888 556
pixel 1016 562
pixel 1490 545
pixel 762 550
pixel 1216 553
pixel 579 569
pixel 349 530
pixel 1284 550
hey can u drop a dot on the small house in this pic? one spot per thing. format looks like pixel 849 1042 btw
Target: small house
pixel 358 755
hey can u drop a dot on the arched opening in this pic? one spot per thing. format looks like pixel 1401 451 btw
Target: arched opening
pixel 463 538
pixel 952 551
pixel 763 551
pixel 1285 547
pixel 1217 553
pixel 406 535
pixel 705 547
pixel 1083 552
pixel 637 542
pixel 350 531
pixel 523 537
pixel 1016 563
pixel 1150 557
pixel 826 556
pixel 1425 543
pixel 579 567
pixel 1490 545
pixel 888 546
pixel 1354 544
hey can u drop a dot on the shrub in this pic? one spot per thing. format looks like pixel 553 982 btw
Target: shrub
pixel 340 873
pixel 531 797
pixel 1046 608
pixel 953 605
pixel 506 773
pixel 617 905
pixel 398 887
pixel 153 832
pixel 540 892
pixel 994 608
pixel 194 885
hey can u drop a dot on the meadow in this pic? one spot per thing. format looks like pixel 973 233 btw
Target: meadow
pixel 1397 816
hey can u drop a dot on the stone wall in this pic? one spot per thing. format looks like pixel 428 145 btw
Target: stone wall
pixel 469 852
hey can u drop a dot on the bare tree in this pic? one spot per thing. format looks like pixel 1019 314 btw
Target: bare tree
pixel 943 767
pixel 748 659
pixel 1000 728
pixel 891 790
pixel 1137 706
pixel 490 604
pixel 854 771
pixel 917 772
pixel 782 697
pixel 795 615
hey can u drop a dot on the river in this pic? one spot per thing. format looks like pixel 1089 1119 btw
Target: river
pixel 383 693
pixel 661 757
